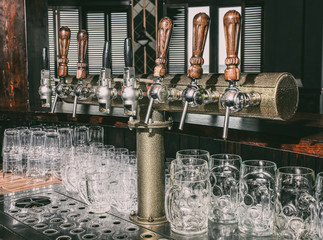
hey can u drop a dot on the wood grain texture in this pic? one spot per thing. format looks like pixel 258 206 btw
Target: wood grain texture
pixel 164 35
pixel 231 22
pixel 64 35
pixel 82 38
pixel 13 64
pixel 200 29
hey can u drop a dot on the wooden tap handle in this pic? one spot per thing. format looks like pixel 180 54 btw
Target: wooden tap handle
pixel 64 35
pixel 231 22
pixel 164 33
pixel 200 29
pixel 82 48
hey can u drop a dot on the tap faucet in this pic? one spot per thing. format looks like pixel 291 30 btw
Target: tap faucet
pixel 130 93
pixel 233 100
pixel 62 90
pixel 105 92
pixel 81 91
pixel 194 95
pixel 45 90
pixel 158 92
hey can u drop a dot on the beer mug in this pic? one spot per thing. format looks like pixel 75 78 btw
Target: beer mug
pixel 256 198
pixel 187 199
pixel 224 178
pixel 295 206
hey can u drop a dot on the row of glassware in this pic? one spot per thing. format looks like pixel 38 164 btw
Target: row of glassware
pixel 286 202
pixel 101 175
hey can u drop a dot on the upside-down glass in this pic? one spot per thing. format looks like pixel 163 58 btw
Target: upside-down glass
pixel 295 205
pixel 96 135
pixel 319 199
pixel 256 197
pixel 186 201
pixel 25 140
pixel 35 162
pixel 52 155
pixel 224 194
pixel 12 165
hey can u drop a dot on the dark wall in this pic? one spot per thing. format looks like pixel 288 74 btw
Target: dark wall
pixel 294 43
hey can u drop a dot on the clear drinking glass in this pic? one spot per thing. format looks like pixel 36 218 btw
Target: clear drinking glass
pixel 295 205
pixel 52 155
pixel 256 197
pixel 81 136
pixel 96 135
pixel 12 164
pixel 319 199
pixel 193 153
pixel 186 201
pixel 35 162
pixel 224 194
pixel 98 192
pixel 25 140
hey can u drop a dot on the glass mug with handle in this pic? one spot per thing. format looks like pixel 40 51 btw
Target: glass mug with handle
pixel 193 153
pixel 187 199
pixel 224 194
pixel 256 197
pixel 295 205
pixel 319 199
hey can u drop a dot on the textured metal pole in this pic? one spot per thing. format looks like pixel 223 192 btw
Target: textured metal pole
pixel 151 174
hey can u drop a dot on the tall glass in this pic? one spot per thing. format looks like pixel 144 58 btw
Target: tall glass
pixel 186 201
pixel 295 205
pixel 96 135
pixel 319 199
pixel 256 198
pixel 35 162
pixel 25 140
pixel 224 194
pixel 12 165
pixel 52 155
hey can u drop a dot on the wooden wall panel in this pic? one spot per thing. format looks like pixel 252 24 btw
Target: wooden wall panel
pixel 13 63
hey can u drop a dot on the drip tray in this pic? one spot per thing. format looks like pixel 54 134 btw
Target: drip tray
pixel 49 214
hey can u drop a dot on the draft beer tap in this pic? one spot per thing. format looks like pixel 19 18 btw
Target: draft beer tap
pixel 130 93
pixel 62 90
pixel 193 95
pixel 81 91
pixel 158 92
pixel 45 90
pixel 233 100
pixel 105 93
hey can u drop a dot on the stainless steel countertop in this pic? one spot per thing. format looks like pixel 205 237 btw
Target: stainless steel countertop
pixel 15 225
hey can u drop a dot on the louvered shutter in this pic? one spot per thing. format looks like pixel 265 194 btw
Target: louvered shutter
pixel 51 36
pixel 119 32
pixel 252 39
pixel 70 18
pixel 95 28
pixel 176 52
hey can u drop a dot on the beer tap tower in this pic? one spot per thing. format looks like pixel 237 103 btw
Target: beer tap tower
pixel 130 93
pixel 81 91
pixel 62 90
pixel 105 93
pixel 233 100
pixel 193 94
